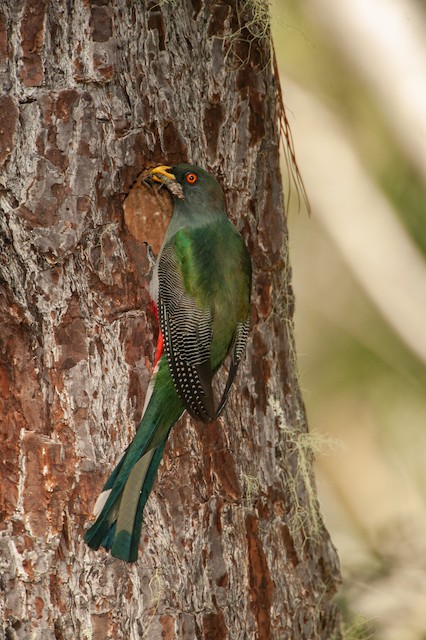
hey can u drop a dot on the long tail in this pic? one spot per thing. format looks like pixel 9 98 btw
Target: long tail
pixel 121 503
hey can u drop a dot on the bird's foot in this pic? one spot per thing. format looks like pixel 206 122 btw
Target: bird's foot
pixel 151 257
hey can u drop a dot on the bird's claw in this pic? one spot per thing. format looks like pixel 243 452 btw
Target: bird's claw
pixel 151 256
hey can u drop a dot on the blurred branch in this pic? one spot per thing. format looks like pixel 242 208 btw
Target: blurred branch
pixel 360 220
pixel 385 40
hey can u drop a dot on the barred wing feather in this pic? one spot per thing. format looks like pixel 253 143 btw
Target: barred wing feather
pixel 187 334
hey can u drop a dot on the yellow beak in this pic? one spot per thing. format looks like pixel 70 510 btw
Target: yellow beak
pixel 160 173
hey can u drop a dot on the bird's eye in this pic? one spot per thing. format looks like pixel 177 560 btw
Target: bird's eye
pixel 191 178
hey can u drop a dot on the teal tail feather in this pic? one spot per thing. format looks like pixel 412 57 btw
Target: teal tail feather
pixel 117 528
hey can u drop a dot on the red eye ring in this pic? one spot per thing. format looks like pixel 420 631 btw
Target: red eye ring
pixel 191 178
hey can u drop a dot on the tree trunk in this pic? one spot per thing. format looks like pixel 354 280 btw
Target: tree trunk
pixel 233 544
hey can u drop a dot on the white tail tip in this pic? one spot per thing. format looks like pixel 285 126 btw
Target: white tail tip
pixel 100 502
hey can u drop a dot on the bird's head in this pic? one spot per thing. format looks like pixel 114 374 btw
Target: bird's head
pixel 190 183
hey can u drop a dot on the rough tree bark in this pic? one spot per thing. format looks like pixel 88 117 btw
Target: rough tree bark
pixel 233 545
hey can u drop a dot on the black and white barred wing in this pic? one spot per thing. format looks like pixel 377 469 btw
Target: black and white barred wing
pixel 237 351
pixel 187 334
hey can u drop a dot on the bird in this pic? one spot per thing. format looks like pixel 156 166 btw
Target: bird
pixel 200 290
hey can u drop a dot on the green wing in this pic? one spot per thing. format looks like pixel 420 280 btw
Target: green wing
pixel 200 315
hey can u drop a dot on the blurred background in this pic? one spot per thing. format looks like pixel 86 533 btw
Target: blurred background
pixel 353 75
